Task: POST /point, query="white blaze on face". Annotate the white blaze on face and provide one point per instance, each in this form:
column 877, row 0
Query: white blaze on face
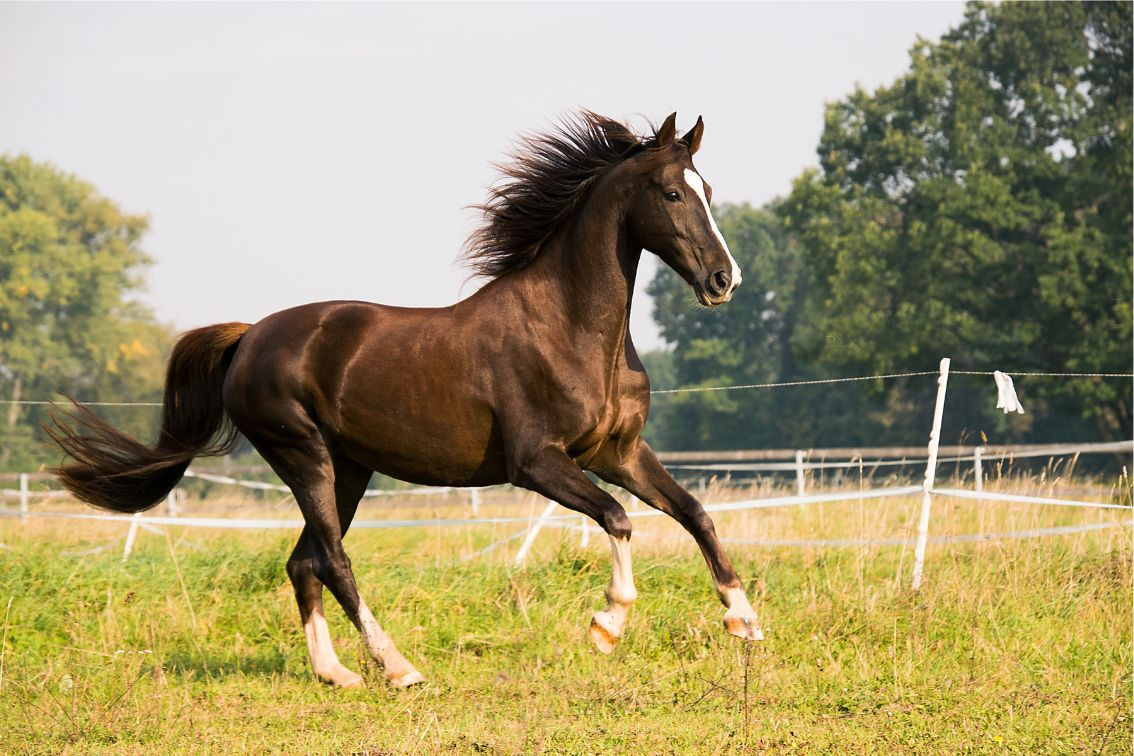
column 697, row 184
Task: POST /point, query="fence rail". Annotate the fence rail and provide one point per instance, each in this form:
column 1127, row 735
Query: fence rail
column 885, row 452
column 750, row 459
column 739, row 460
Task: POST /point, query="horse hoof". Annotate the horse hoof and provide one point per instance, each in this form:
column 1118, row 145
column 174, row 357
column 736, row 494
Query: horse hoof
column 744, row 627
column 343, row 678
column 406, row 679
column 602, row 637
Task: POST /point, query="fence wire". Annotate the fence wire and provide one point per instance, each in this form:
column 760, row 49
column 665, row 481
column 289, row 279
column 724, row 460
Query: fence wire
column 697, row 389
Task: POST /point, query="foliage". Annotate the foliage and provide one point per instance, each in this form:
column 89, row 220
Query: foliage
column 68, row 262
column 747, row 341
column 978, row 208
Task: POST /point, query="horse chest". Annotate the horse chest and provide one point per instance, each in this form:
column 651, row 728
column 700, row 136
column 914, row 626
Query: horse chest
column 620, row 413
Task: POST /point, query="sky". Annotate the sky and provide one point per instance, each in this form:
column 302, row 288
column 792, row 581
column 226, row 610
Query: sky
column 291, row 153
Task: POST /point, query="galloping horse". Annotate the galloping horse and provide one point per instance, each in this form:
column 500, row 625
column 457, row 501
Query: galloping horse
column 532, row 380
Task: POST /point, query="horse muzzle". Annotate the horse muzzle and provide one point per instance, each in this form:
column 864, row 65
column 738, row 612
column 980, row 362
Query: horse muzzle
column 716, row 289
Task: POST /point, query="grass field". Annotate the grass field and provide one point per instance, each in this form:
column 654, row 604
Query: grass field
column 194, row 645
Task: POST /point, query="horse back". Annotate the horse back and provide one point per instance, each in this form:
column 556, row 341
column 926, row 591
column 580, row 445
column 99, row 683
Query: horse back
column 393, row 388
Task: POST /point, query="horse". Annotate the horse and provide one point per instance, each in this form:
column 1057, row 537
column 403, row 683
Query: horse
column 532, row 380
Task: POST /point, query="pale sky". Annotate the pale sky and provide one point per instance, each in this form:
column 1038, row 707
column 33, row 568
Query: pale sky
column 291, row 153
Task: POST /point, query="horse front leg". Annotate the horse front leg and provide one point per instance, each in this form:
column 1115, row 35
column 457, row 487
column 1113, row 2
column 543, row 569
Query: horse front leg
column 551, row 472
column 640, row 473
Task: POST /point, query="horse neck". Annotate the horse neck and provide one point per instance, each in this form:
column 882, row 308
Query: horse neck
column 584, row 276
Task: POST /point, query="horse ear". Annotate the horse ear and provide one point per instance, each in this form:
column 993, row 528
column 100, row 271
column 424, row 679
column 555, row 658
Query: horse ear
column 693, row 137
column 667, row 131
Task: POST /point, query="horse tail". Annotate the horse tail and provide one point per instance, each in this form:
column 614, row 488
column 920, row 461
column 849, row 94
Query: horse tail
column 116, row 472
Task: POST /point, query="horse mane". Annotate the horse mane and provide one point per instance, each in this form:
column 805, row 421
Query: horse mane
column 542, row 186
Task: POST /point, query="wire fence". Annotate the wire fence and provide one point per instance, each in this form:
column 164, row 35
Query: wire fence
column 694, row 389
column 801, row 465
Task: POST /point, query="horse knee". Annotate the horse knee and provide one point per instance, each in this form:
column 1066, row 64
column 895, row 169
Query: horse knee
column 328, row 572
column 704, row 523
column 617, row 524
column 299, row 568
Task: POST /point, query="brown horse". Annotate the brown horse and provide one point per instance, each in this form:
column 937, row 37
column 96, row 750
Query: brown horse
column 532, row 380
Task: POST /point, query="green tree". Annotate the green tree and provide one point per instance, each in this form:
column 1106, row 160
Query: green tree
column 752, row 341
column 980, row 207
column 68, row 262
column 747, row 341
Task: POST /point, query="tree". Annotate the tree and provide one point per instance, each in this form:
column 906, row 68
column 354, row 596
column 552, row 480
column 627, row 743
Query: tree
column 752, row 340
column 747, row 341
column 980, row 207
column 68, row 261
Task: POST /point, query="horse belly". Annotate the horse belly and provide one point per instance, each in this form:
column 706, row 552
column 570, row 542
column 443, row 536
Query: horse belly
column 436, row 440
column 429, row 461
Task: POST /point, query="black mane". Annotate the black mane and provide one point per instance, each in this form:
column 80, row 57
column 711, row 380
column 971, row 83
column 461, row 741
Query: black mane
column 542, row 186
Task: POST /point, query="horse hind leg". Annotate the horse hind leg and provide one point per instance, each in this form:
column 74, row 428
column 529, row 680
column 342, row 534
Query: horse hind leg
column 350, row 484
column 328, row 493
column 309, row 595
column 333, row 569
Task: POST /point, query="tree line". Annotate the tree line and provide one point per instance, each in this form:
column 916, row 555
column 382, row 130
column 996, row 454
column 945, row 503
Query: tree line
column 69, row 263
column 979, row 207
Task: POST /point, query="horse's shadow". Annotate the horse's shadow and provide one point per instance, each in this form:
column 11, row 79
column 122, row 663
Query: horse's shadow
column 211, row 665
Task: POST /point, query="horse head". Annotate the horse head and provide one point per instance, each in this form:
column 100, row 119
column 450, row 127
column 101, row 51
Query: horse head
column 668, row 214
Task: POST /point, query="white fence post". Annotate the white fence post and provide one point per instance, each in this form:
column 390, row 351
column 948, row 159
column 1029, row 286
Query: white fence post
column 474, row 500
column 978, row 469
column 585, row 536
column 800, row 475
column 533, row 531
column 131, row 534
column 23, row 497
column 930, row 473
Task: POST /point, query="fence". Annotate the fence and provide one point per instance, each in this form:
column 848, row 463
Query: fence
column 878, row 457
column 800, row 464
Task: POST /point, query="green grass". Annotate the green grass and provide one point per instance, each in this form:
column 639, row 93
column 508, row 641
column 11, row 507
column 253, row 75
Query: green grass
column 194, row 644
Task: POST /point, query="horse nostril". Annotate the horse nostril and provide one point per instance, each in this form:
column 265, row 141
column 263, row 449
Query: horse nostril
column 718, row 282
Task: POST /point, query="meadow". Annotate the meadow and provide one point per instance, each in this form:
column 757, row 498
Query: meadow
column 193, row 644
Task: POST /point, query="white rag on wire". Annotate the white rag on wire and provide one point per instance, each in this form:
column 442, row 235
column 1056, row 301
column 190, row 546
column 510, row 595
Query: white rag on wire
column 1006, row 398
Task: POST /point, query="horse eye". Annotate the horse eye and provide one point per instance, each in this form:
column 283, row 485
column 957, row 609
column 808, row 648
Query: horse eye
column 672, row 196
